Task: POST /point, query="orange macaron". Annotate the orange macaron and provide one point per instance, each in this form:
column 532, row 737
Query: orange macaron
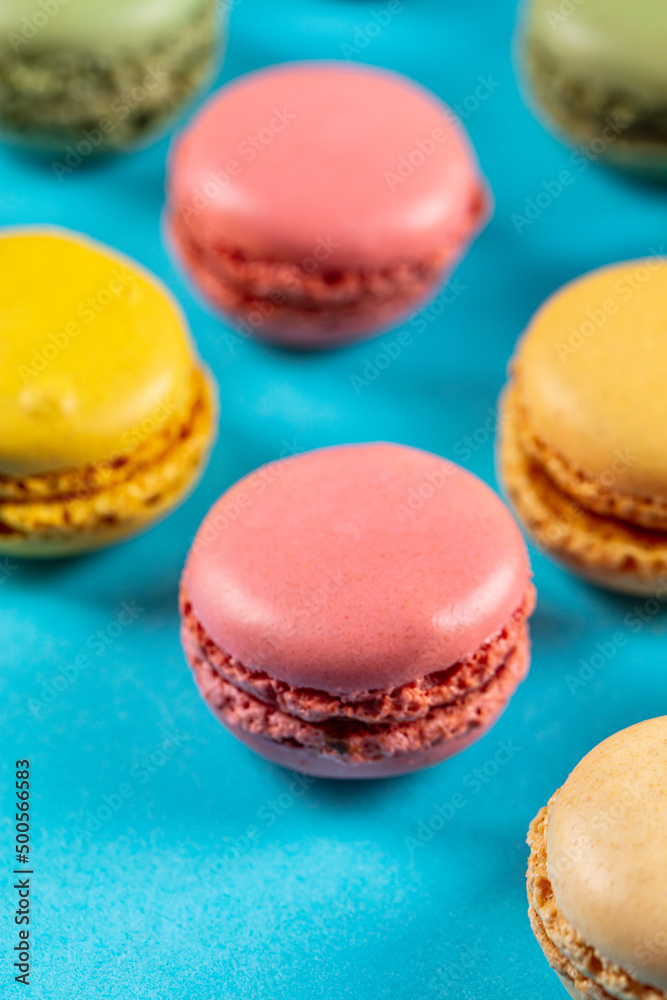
column 583, row 431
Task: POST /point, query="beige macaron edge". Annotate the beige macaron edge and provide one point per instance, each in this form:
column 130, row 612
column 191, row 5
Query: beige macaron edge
column 584, row 973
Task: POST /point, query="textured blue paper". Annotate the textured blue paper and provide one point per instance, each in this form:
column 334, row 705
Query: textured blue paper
column 219, row 877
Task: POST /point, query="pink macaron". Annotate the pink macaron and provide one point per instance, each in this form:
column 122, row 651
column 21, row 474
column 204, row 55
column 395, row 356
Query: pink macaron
column 358, row 611
column 316, row 203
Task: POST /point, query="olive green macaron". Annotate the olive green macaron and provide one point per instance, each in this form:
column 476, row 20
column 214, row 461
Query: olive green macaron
column 597, row 72
column 80, row 77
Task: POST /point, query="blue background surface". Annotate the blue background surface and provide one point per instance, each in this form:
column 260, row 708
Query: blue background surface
column 219, row 877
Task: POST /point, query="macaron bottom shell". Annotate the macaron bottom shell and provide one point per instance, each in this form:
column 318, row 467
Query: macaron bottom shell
column 305, row 762
column 337, row 749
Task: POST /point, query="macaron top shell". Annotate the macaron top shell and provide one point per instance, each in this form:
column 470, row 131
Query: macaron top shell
column 356, row 568
column 591, row 374
column 607, row 850
column 26, row 25
column 351, row 166
column 611, row 42
column 94, row 354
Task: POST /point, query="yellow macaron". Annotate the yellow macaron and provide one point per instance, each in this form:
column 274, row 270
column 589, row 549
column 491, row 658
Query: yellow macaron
column 583, row 427
column 596, row 873
column 106, row 414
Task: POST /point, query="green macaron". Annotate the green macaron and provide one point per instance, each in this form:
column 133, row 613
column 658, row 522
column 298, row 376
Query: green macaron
column 597, row 71
column 84, row 76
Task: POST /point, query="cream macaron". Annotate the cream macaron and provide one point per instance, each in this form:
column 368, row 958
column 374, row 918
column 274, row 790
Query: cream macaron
column 583, row 426
column 597, row 886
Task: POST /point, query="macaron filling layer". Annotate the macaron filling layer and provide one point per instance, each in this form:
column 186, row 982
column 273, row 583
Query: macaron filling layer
column 593, row 494
column 107, row 496
column 365, row 725
column 286, row 295
column 579, row 519
column 577, row 963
